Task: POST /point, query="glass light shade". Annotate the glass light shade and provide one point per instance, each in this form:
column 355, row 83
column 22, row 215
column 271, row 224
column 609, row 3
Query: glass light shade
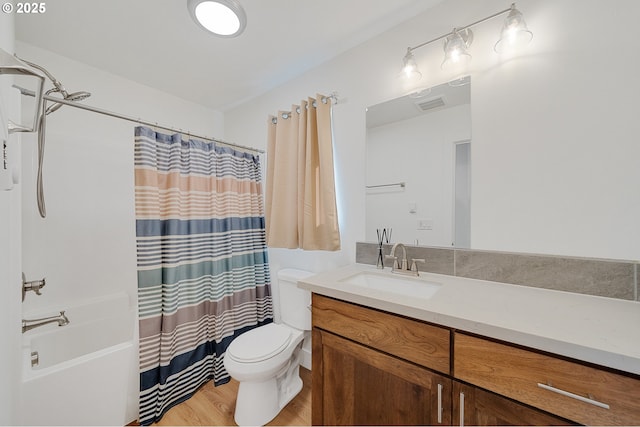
column 455, row 49
column 514, row 34
column 409, row 67
column 224, row 18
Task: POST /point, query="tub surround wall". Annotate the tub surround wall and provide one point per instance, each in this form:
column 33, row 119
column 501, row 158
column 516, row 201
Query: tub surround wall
column 10, row 252
column 601, row 277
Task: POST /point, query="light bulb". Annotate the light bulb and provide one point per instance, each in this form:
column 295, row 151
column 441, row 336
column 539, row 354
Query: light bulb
column 217, row 18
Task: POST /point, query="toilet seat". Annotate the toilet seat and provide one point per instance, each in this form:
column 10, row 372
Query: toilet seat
column 260, row 343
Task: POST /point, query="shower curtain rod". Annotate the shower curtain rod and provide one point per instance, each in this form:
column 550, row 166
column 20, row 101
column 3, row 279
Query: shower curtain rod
column 24, row 91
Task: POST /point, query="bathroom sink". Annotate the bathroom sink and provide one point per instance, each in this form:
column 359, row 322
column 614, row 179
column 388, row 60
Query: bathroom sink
column 413, row 287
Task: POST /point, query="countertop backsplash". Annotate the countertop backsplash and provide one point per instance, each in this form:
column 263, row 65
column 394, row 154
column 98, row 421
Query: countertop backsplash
column 601, row 277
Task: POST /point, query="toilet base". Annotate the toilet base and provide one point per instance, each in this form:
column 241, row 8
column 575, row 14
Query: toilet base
column 259, row 402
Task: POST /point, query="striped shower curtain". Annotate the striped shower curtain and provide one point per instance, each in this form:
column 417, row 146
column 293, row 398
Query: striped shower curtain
column 203, row 273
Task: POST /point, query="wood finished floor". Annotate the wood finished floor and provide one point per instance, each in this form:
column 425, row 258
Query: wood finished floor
column 214, row 406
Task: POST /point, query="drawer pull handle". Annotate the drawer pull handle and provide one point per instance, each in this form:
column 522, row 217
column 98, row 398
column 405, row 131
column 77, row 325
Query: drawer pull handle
column 461, row 409
column 574, row 396
column 439, row 403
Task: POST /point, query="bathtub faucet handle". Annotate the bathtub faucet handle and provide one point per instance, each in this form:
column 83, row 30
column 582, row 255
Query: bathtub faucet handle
column 32, row 285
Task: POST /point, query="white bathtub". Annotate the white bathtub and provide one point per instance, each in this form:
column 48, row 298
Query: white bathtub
column 84, row 370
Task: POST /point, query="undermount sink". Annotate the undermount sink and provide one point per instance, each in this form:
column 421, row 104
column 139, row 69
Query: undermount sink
column 413, row 287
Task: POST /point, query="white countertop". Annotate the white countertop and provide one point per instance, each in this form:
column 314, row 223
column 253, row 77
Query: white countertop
column 604, row 331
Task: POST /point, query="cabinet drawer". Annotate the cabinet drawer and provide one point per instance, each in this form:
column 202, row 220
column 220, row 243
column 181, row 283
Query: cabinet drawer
column 569, row 389
column 412, row 340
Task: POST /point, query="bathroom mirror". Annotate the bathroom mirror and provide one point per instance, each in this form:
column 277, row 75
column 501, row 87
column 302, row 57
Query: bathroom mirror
column 418, row 166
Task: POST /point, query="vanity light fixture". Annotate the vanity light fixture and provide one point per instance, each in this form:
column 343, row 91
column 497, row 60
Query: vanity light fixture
column 514, row 34
column 224, row 18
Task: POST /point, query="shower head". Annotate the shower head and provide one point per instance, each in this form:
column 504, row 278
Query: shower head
column 78, row 96
column 75, row 96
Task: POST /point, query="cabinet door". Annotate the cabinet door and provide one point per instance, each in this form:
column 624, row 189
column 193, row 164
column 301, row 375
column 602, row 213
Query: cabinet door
column 356, row 385
column 477, row 407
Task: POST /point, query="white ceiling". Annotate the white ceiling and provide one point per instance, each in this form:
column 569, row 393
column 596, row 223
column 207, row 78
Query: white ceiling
column 155, row 42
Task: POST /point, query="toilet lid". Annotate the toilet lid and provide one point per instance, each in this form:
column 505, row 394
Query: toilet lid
column 260, row 343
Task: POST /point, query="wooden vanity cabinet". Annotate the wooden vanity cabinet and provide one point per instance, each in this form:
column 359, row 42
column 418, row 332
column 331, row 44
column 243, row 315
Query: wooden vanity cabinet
column 371, row 367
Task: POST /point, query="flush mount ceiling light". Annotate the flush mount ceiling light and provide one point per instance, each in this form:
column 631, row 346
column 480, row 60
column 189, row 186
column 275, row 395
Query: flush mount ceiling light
column 514, row 34
column 224, row 18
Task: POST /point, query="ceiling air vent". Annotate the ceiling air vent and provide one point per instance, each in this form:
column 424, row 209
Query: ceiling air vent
column 430, row 104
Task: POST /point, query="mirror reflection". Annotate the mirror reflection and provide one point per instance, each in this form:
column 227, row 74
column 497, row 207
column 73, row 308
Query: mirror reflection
column 418, row 166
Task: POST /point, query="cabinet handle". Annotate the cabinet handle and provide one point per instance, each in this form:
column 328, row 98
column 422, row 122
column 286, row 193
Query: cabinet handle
column 439, row 403
column 461, row 409
column 573, row 396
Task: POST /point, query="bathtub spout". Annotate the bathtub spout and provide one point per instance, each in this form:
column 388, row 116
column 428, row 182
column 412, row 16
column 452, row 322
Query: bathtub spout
column 34, row 323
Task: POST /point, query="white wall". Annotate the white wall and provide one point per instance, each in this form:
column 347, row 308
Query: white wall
column 85, row 247
column 9, row 246
column 554, row 159
column 565, row 118
column 420, row 153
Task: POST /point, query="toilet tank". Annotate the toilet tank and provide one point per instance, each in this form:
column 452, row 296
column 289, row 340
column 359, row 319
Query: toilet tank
column 294, row 302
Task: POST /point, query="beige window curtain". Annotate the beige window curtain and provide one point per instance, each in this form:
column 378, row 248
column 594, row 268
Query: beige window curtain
column 300, row 197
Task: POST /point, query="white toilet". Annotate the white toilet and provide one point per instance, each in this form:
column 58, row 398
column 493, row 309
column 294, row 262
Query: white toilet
column 265, row 360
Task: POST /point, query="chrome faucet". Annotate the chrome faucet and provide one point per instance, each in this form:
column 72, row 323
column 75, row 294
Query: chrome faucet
column 402, row 267
column 34, row 323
